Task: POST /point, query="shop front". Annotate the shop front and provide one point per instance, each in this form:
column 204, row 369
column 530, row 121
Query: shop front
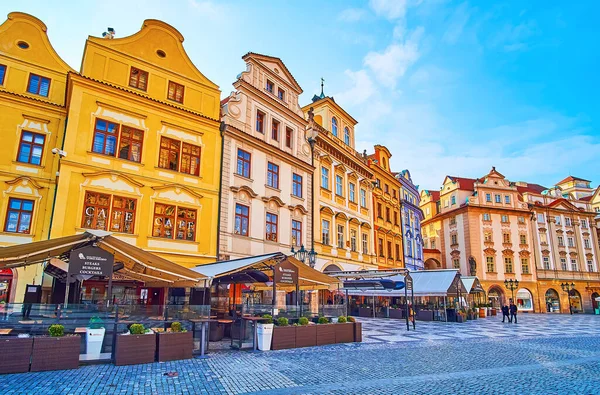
column 6, row 278
column 524, row 300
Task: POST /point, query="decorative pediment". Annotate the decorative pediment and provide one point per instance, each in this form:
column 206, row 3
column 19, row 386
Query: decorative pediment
column 507, row 252
column 245, row 189
column 341, row 215
column 589, row 255
column 326, row 159
column 326, row 210
column 365, row 225
column 341, row 168
column 112, row 181
column 562, row 253
column 545, row 252
column 455, row 253
column 570, row 232
column 177, row 193
column 24, row 185
column 273, row 201
column 298, row 208
column 559, row 231
column 354, row 220
column 524, row 254
column 489, row 251
column 572, row 254
column 542, row 230
column 352, row 175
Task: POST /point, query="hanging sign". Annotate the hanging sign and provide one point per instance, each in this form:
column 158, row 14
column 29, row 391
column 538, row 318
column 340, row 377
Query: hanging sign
column 409, row 283
column 285, row 273
column 90, row 261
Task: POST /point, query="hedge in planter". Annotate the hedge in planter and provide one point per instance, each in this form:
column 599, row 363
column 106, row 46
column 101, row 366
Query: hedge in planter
column 306, row 334
column 16, row 354
column 344, row 331
column 325, row 332
column 139, row 346
column 175, row 344
column 365, row 312
column 284, row 335
column 55, row 352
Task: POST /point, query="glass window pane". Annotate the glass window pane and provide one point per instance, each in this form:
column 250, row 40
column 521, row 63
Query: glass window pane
column 15, row 204
column 27, row 205
column 45, row 87
column 27, row 137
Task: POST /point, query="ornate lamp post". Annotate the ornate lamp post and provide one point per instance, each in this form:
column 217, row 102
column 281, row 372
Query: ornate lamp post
column 512, row 285
column 568, row 288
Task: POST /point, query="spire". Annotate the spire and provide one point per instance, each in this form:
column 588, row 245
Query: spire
column 322, row 95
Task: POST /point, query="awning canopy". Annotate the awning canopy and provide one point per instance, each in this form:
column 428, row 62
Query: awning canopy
column 137, row 264
column 472, row 284
column 241, row 270
column 425, row 283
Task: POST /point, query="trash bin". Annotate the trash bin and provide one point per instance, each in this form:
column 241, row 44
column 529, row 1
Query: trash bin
column 451, row 314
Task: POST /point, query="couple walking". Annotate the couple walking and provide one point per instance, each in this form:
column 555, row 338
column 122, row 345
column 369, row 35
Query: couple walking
column 512, row 310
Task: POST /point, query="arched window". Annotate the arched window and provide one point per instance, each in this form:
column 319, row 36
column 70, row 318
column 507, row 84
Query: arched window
column 347, row 136
column 334, row 126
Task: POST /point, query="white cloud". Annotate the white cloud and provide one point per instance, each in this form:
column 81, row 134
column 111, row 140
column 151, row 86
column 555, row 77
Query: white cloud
column 458, row 21
column 393, row 62
column 390, row 9
column 515, row 37
column 361, row 90
column 351, row 15
column 207, row 8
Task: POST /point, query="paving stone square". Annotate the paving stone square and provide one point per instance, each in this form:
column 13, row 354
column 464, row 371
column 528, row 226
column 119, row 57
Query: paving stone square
column 542, row 354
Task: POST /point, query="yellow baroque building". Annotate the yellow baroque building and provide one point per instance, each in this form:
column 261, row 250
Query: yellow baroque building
column 138, row 148
column 32, row 120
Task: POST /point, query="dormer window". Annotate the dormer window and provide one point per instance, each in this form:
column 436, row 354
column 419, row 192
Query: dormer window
column 281, row 94
column 269, row 86
column 347, row 139
column 138, row 79
column 38, row 85
column 175, row 92
column 2, row 73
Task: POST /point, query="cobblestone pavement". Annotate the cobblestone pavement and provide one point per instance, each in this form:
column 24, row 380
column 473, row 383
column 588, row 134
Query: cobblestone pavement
column 543, row 354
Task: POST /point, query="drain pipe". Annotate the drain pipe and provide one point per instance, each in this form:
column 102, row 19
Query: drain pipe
column 222, row 127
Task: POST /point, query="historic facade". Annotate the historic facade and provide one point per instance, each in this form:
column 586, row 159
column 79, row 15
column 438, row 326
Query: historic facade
column 343, row 190
column 386, row 211
column 483, row 229
column 33, row 114
column 411, row 217
column 267, row 172
column 566, row 245
column 139, row 156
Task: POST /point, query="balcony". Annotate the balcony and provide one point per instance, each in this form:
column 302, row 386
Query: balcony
column 567, row 275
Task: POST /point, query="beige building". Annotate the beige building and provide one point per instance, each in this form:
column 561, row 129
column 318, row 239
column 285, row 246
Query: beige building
column 266, row 185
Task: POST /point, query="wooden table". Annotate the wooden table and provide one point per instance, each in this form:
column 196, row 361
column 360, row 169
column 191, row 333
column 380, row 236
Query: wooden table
column 80, row 330
column 5, row 331
column 255, row 321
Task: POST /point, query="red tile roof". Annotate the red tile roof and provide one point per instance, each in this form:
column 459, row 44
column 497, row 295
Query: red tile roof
column 571, row 178
column 531, row 188
column 464, row 183
column 435, row 195
column 586, row 198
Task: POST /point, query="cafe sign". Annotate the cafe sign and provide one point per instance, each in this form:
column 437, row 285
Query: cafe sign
column 90, row 261
column 285, row 273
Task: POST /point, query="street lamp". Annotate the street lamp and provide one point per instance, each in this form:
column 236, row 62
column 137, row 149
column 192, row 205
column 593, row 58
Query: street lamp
column 302, row 255
column 568, row 288
column 512, row 285
column 311, row 137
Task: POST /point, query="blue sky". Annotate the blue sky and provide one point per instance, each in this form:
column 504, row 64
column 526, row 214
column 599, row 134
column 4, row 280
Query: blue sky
column 449, row 87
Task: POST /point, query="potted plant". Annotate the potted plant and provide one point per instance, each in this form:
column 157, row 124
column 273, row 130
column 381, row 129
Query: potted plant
column 136, row 346
column 344, row 330
column 325, row 332
column 306, row 333
column 265, row 333
column 284, row 335
column 94, row 336
column 174, row 344
column 56, row 351
column 16, row 354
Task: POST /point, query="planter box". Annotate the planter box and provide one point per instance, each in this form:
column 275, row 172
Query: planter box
column 460, row 318
column 365, row 312
column 357, row 332
column 493, row 311
column 306, row 335
column 397, row 313
column 16, row 354
column 325, row 334
column 344, row 333
column 172, row 346
column 55, row 353
column 284, row 337
column 482, row 312
column 425, row 315
column 135, row 349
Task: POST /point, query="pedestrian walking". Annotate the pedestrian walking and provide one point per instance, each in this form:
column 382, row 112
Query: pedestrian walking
column 505, row 313
column 513, row 312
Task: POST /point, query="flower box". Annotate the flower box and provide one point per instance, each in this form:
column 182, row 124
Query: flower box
column 172, row 346
column 397, row 313
column 135, row 349
column 306, row 335
column 55, row 353
column 284, row 337
column 16, row 354
column 365, row 312
column 344, row 333
column 325, row 334
column 357, row 332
